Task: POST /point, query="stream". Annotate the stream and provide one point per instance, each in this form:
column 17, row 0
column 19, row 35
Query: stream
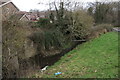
column 38, row 62
column 50, row 60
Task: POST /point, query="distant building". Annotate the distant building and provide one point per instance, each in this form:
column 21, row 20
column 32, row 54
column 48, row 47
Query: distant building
column 42, row 14
column 35, row 16
column 20, row 16
column 32, row 16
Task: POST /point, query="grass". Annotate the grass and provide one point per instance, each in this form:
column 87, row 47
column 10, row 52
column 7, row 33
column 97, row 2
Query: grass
column 97, row 58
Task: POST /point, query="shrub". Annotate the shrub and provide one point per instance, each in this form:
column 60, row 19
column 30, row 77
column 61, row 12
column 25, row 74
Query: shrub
column 47, row 40
column 82, row 23
column 108, row 27
column 43, row 22
column 13, row 37
column 100, row 29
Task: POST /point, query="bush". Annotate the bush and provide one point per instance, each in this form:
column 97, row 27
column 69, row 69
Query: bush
column 82, row 23
column 108, row 27
column 13, row 37
column 43, row 22
column 48, row 40
column 99, row 29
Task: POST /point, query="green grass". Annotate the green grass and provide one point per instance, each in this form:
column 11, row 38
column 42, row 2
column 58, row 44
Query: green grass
column 97, row 58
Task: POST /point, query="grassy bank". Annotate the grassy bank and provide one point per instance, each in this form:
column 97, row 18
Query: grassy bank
column 97, row 58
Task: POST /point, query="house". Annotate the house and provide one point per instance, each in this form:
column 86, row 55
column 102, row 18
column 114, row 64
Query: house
column 23, row 17
column 9, row 10
column 20, row 16
column 42, row 14
column 32, row 16
column 35, row 16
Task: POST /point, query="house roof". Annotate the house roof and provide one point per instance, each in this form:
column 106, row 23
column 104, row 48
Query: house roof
column 24, row 16
column 19, row 16
column 3, row 3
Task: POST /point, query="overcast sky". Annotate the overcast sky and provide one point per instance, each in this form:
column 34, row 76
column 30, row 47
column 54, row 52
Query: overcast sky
column 26, row 5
